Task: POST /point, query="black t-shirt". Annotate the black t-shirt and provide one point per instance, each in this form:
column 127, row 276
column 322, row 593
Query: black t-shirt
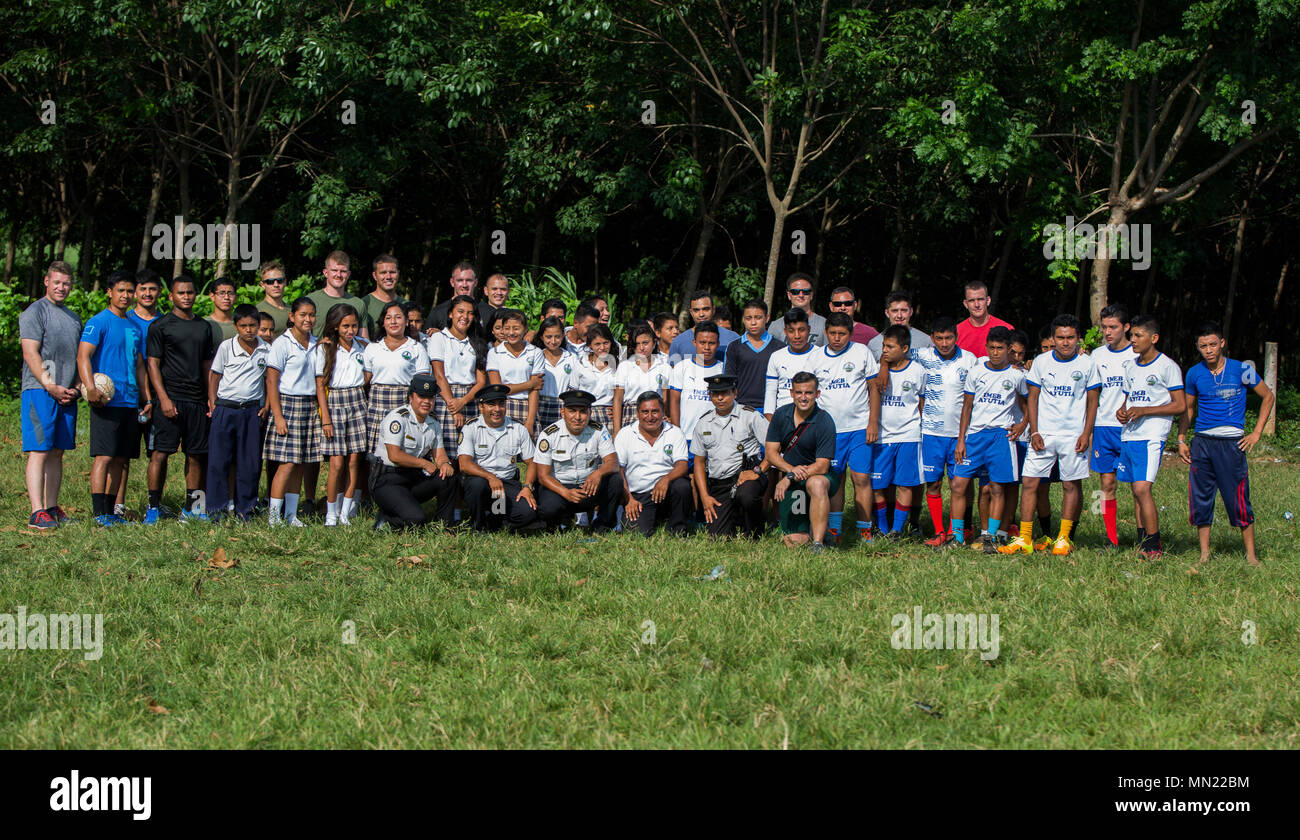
column 817, row 441
column 182, row 346
column 750, row 368
column 438, row 317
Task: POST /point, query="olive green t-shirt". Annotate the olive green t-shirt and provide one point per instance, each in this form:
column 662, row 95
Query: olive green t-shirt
column 370, row 317
column 323, row 304
column 279, row 315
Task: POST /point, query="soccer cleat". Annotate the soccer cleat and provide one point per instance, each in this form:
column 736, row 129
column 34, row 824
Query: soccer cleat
column 941, row 540
column 108, row 520
column 832, row 536
column 817, row 548
column 42, row 521
column 864, row 535
column 191, row 516
column 1062, row 547
column 1150, row 553
column 1017, row 546
column 989, row 543
column 119, row 510
column 152, row 515
column 1043, row 543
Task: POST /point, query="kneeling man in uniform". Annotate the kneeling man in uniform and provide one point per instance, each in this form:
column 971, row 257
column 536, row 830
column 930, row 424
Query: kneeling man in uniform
column 730, row 471
column 411, row 465
column 577, row 469
column 488, row 449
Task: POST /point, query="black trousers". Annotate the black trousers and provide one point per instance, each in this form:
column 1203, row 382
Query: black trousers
column 744, row 510
column 675, row 509
column 489, row 514
column 555, row 509
column 399, row 493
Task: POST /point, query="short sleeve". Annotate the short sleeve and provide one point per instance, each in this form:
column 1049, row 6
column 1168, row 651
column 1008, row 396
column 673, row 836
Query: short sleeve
column 697, row 445
column 773, row 432
column 1094, row 376
column 542, row 454
column 605, row 447
column 393, row 431
column 1023, row 389
column 91, row 333
column 422, row 364
column 538, row 367
column 826, row 438
column 154, row 343
column 435, row 349
column 621, row 448
column 759, row 425
column 527, row 450
column 318, row 360
column 493, row 362
column 1173, row 377
column 1191, row 381
column 31, row 326
column 679, row 452
column 677, row 380
column 220, row 360
column 279, row 355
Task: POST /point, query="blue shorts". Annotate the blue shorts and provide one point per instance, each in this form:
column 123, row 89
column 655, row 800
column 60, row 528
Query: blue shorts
column 989, row 449
column 47, row 424
column 1139, row 460
column 851, row 452
column 1218, row 466
column 1105, row 449
column 938, row 453
column 896, row 464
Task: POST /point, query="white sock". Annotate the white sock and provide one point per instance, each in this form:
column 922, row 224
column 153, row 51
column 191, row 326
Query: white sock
column 290, row 506
column 331, row 512
column 277, row 505
column 348, row 507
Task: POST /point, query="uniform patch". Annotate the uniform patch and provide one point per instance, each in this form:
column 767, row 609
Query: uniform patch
column 461, row 439
column 551, row 429
column 395, row 427
column 543, row 445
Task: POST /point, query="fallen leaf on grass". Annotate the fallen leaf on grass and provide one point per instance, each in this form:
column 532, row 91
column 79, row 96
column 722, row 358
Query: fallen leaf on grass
column 411, row 560
column 219, row 560
column 158, row 708
column 940, row 667
column 580, row 582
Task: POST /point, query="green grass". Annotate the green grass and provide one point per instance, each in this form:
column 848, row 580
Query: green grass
column 501, row 642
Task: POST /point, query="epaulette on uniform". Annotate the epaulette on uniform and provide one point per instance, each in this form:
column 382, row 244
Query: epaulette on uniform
column 551, row 429
column 595, row 425
column 404, row 411
column 749, row 408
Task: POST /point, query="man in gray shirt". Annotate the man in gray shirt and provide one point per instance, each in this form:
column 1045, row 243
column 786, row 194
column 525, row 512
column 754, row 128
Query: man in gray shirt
column 899, row 310
column 50, row 333
column 799, row 289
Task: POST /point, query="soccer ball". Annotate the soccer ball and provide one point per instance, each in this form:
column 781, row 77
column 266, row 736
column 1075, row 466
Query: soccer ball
column 103, row 383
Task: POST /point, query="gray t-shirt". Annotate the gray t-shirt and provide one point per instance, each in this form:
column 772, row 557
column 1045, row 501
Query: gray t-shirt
column 58, row 329
column 919, row 340
column 816, row 329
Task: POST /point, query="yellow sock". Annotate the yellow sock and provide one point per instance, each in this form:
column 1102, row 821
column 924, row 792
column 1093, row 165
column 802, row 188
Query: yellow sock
column 1065, row 528
column 1027, row 531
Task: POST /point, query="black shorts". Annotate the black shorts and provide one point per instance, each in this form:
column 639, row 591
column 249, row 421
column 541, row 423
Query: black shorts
column 189, row 427
column 114, row 432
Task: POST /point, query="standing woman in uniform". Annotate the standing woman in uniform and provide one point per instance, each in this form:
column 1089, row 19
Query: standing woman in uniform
column 599, row 364
column 458, row 355
column 390, row 362
column 560, row 369
column 339, row 364
column 518, row 365
column 293, row 435
column 644, row 370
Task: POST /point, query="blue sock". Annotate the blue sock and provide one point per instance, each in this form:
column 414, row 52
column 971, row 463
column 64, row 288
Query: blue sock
column 959, row 530
column 994, row 524
column 864, row 526
column 836, row 520
column 900, row 518
column 882, row 517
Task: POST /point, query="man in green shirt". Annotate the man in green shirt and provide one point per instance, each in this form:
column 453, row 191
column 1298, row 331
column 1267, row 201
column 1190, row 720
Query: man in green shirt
column 223, row 300
column 337, row 271
column 273, row 279
column 384, row 271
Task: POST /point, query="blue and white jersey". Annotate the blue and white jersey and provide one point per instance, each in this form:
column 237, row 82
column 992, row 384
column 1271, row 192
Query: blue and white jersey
column 781, row 368
column 945, row 385
column 1110, row 369
column 1063, row 392
column 1147, row 386
column 844, row 379
column 688, row 380
column 993, row 397
column 900, row 416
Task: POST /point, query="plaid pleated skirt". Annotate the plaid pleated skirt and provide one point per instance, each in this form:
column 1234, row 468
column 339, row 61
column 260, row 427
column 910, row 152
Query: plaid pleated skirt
column 604, row 415
column 301, row 443
column 348, row 418
column 517, row 410
column 382, row 399
column 629, row 412
column 548, row 411
column 450, row 432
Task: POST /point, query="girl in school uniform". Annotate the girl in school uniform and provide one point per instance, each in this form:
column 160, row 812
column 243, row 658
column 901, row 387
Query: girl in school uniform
column 519, row 365
column 458, row 355
column 644, row 370
column 389, row 363
column 596, row 373
column 559, row 369
column 666, row 330
column 293, row 435
column 339, row 364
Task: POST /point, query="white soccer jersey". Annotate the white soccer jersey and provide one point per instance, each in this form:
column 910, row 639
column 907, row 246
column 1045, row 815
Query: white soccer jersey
column 1146, row 386
column 349, row 365
column 645, row 463
column 457, row 357
column 844, row 379
column 781, row 368
column 688, row 380
column 993, row 393
column 1063, row 392
column 395, row 367
column 1110, row 369
column 561, row 376
column 634, row 381
column 297, row 376
column 945, row 387
column 514, row 369
column 900, row 416
column 598, row 383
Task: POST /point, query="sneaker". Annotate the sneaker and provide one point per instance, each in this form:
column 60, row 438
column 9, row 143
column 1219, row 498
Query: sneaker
column 1043, row 543
column 864, row 535
column 295, row 522
column 1062, row 547
column 119, row 510
column 191, row 516
column 166, row 512
column 331, row 519
column 381, row 522
column 1017, row 546
column 940, row 540
column 817, row 548
column 57, row 514
column 152, row 515
column 832, row 537
column 108, row 520
column 1151, row 553
column 989, row 543
column 42, row 521
column 975, row 542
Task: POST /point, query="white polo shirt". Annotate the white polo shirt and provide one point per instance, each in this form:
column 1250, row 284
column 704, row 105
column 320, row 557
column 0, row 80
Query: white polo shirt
column 457, row 357
column 495, row 450
column 561, row 376
column 634, row 381
column 643, row 462
column 395, row 367
column 514, row 369
column 598, row 383
column 243, row 374
column 297, row 373
column 349, row 365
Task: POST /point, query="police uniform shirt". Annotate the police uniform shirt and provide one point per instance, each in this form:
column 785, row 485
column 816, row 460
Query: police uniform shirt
column 297, row 374
column 401, row 428
column 457, row 357
column 643, row 462
column 495, row 450
column 243, row 374
column 573, row 457
column 395, row 367
column 725, row 441
column 349, row 365
column 516, row 370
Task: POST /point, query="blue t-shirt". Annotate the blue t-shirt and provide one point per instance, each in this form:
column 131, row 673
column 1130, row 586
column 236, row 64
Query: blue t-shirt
column 142, row 325
column 1220, row 400
column 117, row 343
column 683, row 346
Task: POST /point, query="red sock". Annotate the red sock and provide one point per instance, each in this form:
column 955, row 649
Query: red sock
column 1109, row 513
column 936, row 511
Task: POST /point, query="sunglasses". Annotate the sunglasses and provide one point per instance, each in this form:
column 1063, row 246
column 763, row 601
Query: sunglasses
column 801, row 292
column 273, row 281
column 842, row 303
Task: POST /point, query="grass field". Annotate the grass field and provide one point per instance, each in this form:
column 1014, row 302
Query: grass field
column 501, row 642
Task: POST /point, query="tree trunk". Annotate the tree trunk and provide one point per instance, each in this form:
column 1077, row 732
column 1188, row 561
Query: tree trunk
column 1099, row 294
column 1281, row 280
column 178, row 256
column 84, row 261
column 1003, row 261
column 11, row 248
column 158, row 172
column 1236, row 267
column 774, row 254
column 1078, row 293
column 707, row 227
column 900, row 258
column 232, row 212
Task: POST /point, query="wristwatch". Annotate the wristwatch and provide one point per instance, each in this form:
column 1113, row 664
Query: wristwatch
column 790, row 475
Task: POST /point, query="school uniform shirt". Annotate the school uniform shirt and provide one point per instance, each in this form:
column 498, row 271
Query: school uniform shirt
column 598, row 383
column 644, row 463
column 1063, row 392
column 919, row 341
column 496, row 450
column 514, row 369
column 297, row 373
column 243, row 373
column 395, row 367
column 402, row 428
column 349, row 365
column 725, row 440
column 749, row 365
column 945, row 384
column 634, row 381
column 781, row 368
column 688, row 380
column 1221, row 400
column 573, row 458
column 457, row 356
column 993, row 397
column 561, row 376
column 1110, row 370
column 900, row 416
column 1149, row 386
column 844, row 379
column 118, row 343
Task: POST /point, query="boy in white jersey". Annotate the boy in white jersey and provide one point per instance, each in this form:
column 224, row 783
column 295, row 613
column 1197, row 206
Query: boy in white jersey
column 896, row 457
column 1110, row 360
column 688, row 394
column 1063, row 389
column 1153, row 397
column 797, row 356
column 946, row 368
column 846, row 370
column 987, row 432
